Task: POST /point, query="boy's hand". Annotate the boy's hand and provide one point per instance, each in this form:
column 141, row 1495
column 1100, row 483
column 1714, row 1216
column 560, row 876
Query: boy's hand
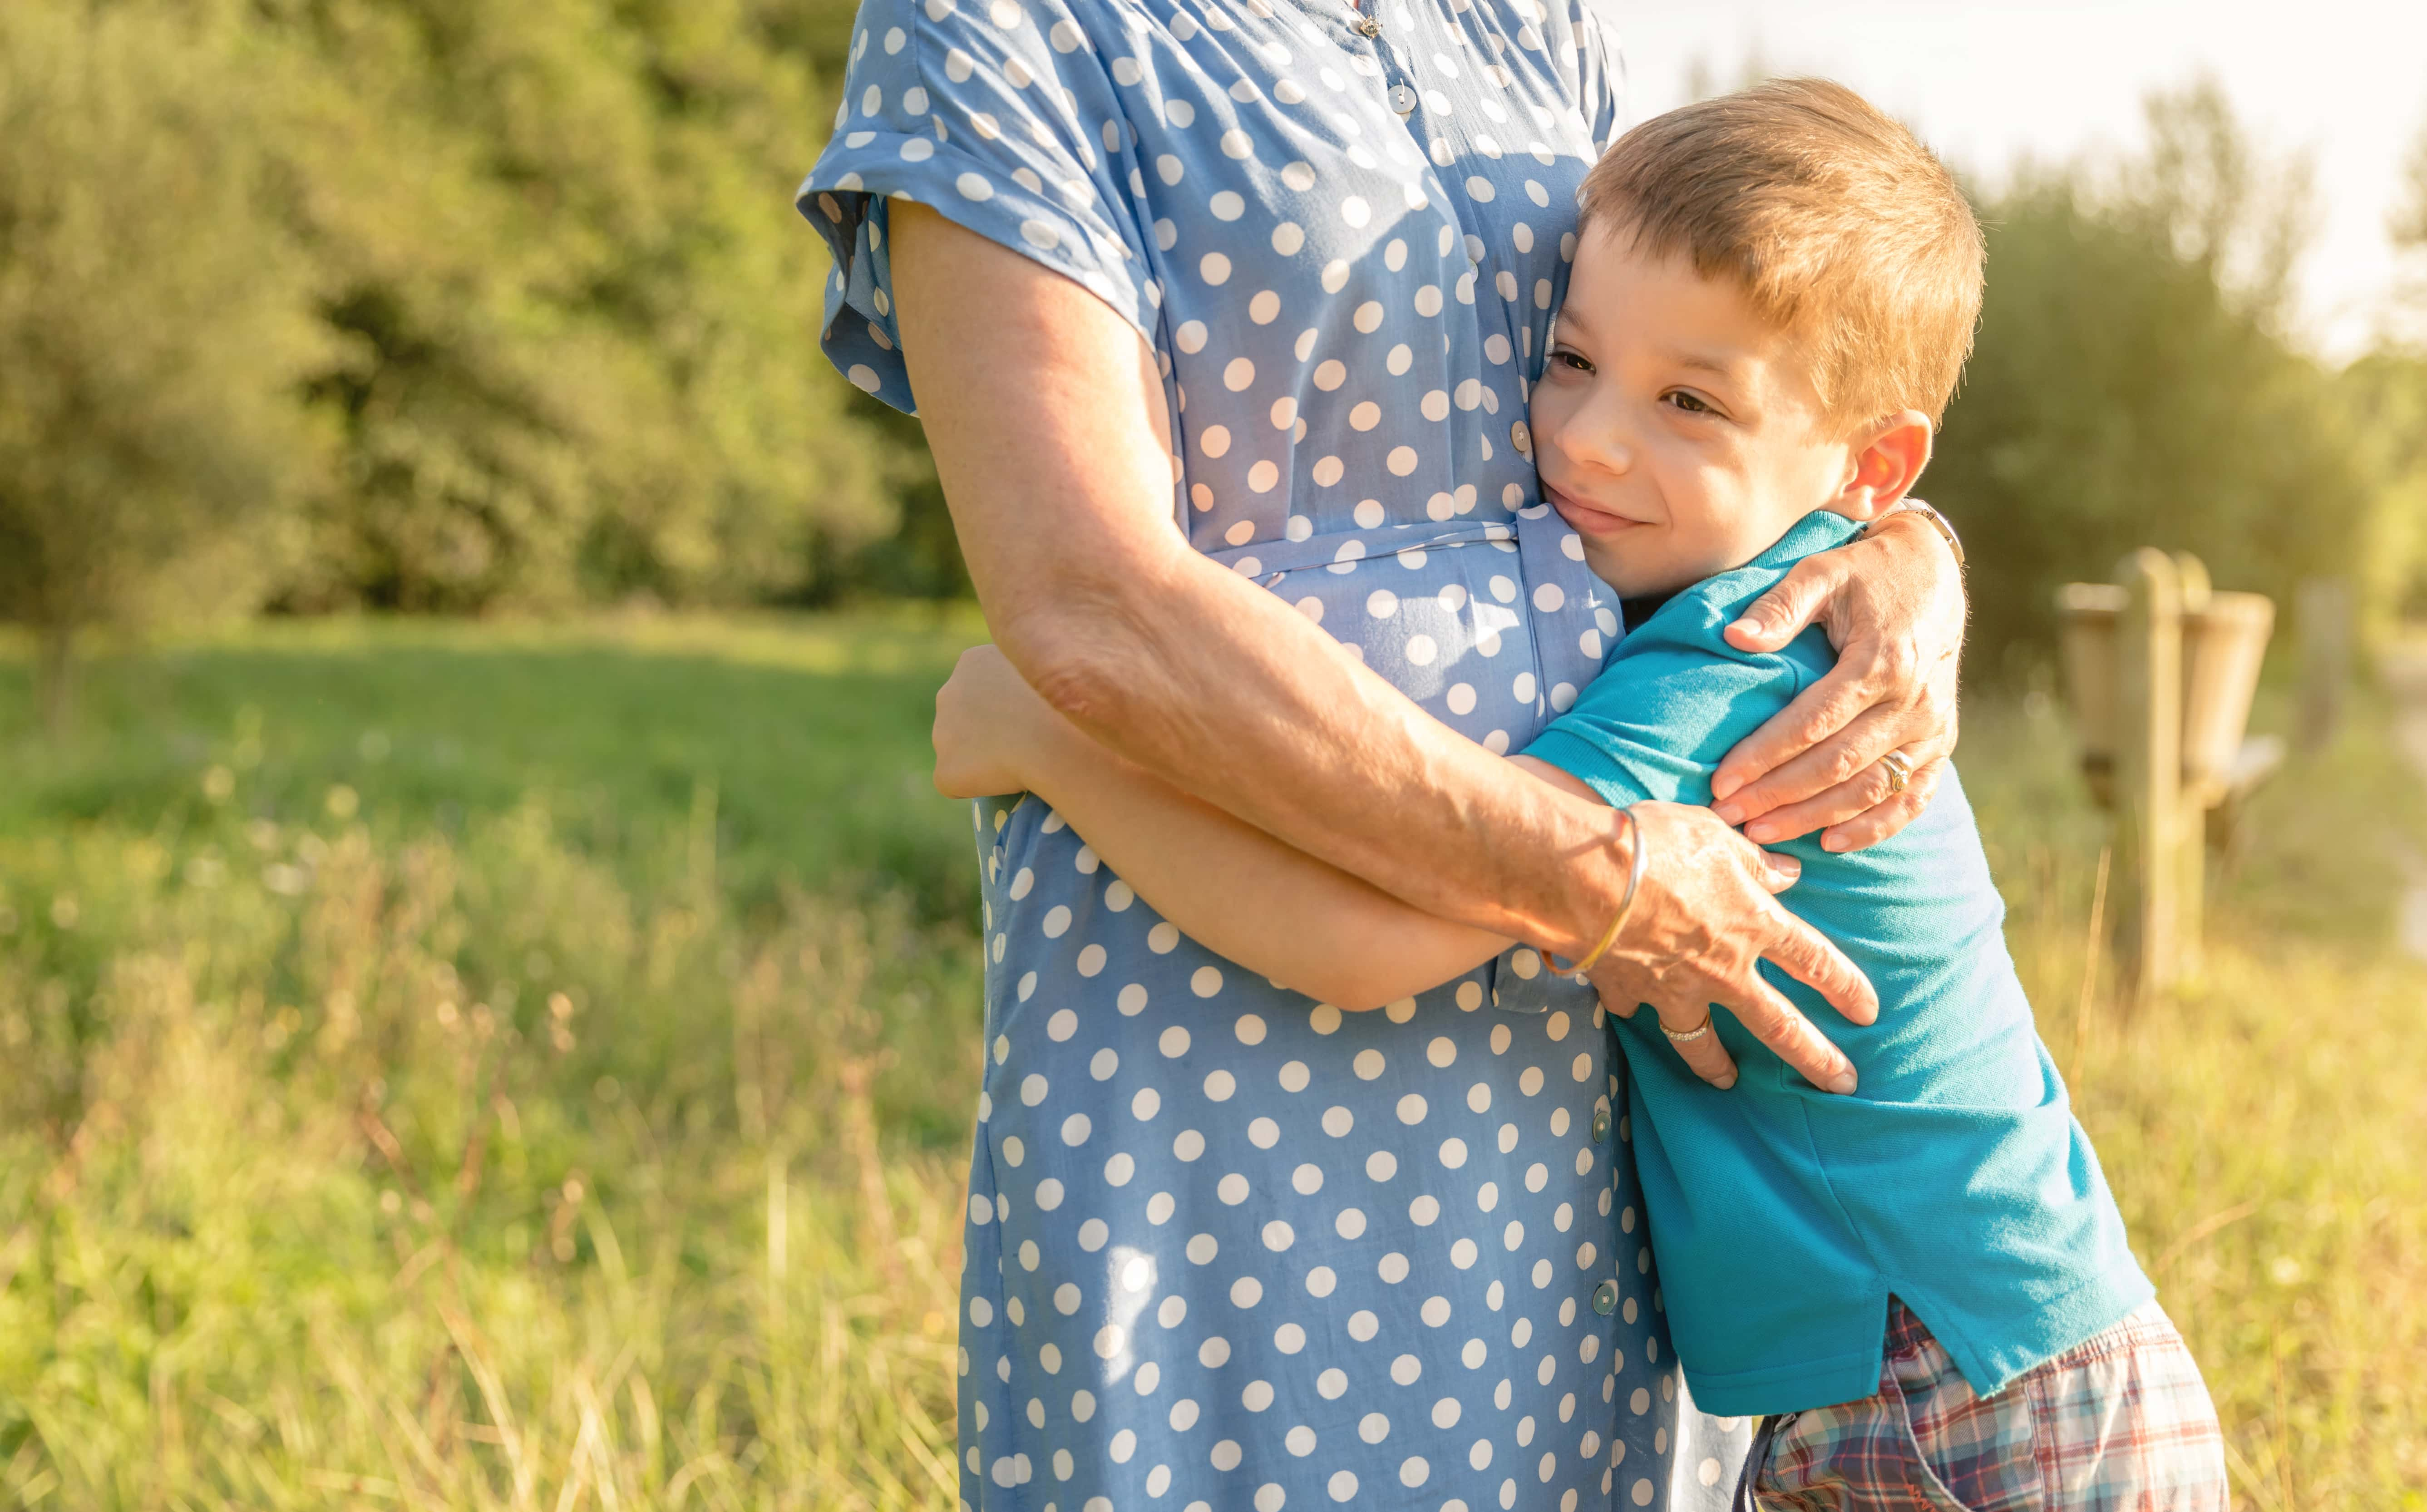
column 985, row 717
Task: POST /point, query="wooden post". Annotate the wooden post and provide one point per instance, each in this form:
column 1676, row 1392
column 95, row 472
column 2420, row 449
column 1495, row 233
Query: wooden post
column 2190, row 836
column 2325, row 629
column 2149, row 769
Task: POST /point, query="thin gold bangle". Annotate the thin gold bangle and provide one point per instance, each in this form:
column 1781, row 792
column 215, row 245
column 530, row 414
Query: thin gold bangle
column 1936, row 521
column 1625, row 903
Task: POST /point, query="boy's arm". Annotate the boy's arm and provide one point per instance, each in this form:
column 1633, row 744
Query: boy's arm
column 1229, row 885
column 1652, row 730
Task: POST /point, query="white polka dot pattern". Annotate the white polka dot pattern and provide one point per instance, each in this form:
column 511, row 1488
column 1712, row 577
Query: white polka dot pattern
column 1226, row 1248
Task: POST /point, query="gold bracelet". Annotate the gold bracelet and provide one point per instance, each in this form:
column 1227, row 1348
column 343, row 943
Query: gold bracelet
column 1625, row 903
column 1936, row 521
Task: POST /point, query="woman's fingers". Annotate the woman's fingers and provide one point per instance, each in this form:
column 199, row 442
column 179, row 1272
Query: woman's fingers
column 1778, row 1024
column 1701, row 930
column 1685, row 1006
column 1871, row 785
column 1893, row 605
column 1782, row 614
column 1877, row 824
column 1700, row 1048
column 1780, row 805
column 1807, row 956
column 1776, row 764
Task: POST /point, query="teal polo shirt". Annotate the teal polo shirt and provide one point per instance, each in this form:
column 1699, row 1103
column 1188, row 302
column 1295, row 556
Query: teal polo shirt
column 1955, row 1177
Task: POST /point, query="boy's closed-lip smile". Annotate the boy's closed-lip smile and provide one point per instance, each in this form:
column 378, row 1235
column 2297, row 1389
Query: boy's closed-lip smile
column 1589, row 520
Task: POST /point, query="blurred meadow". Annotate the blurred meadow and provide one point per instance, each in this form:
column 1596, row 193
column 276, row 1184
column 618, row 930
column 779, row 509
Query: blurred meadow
column 487, row 995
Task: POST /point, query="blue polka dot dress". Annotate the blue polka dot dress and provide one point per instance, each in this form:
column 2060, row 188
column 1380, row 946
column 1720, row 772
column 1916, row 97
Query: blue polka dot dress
column 1229, row 1247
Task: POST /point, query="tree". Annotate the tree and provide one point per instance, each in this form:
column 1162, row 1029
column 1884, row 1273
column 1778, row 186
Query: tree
column 155, row 323
column 2387, row 388
column 2133, row 384
column 2204, row 188
column 485, row 305
column 578, row 314
column 2407, row 226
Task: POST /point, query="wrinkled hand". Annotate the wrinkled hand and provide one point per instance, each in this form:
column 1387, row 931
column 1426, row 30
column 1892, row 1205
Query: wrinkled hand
column 1893, row 605
column 984, row 715
column 1702, row 924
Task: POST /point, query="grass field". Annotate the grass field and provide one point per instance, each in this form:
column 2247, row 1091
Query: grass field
column 809, row 740
column 463, row 1068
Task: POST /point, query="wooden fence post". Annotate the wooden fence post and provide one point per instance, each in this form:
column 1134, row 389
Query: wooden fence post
column 2149, row 768
column 2160, row 671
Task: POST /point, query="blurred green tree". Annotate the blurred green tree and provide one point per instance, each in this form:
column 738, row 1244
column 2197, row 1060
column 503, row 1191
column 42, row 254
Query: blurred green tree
column 511, row 299
column 579, row 314
column 2389, row 387
column 2134, row 382
column 2408, row 225
column 155, row 326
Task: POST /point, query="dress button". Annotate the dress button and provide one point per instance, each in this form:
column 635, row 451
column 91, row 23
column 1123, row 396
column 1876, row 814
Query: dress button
column 1403, row 99
column 1605, row 1298
column 1600, row 1125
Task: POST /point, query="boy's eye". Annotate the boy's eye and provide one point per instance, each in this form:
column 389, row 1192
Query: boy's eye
column 1690, row 403
column 1570, row 359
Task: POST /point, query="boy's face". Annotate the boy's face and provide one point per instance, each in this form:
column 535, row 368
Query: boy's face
column 1676, row 431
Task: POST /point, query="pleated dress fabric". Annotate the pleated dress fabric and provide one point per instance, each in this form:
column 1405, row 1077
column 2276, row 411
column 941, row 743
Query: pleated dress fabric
column 1228, row 1247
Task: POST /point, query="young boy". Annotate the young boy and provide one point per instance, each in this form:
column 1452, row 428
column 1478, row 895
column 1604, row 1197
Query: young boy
column 1923, row 1288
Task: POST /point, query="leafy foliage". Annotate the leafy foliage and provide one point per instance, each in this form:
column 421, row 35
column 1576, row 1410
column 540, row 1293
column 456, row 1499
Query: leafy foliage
column 2133, row 384
column 525, row 278
column 154, row 324
column 2408, row 226
column 580, row 314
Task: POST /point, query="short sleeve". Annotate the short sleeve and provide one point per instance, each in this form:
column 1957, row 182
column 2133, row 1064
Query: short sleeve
column 1000, row 115
column 1674, row 699
column 1601, row 78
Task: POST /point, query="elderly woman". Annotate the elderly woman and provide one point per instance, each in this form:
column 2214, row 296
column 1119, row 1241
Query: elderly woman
column 1220, row 315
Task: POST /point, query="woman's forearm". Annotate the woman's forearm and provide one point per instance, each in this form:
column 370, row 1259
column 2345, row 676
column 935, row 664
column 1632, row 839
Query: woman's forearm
column 1238, row 891
column 1266, row 720
column 1045, row 417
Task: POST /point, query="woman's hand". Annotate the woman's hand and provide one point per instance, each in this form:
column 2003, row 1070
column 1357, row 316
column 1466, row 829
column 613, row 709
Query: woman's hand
column 1702, row 924
column 986, row 719
column 1893, row 605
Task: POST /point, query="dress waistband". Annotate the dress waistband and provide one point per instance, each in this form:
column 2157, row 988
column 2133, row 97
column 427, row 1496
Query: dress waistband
column 1339, row 551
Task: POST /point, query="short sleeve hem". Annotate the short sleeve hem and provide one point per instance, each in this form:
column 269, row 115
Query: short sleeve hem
column 844, row 198
column 1588, row 764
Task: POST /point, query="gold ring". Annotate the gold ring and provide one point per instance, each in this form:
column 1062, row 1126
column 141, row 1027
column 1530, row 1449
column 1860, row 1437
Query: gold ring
column 1688, row 1036
column 1899, row 771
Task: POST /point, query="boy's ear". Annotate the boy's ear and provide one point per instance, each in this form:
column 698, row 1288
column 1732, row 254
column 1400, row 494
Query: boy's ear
column 1888, row 460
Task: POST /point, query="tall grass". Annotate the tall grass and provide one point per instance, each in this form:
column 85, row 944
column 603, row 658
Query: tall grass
column 455, row 1175
column 2261, row 1132
column 469, row 1169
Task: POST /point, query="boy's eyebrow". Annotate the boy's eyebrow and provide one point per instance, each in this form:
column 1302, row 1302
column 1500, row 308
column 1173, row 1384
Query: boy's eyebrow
column 1704, row 362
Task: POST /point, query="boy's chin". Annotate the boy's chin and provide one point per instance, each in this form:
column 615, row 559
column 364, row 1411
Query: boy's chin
column 1651, row 572
column 1635, row 582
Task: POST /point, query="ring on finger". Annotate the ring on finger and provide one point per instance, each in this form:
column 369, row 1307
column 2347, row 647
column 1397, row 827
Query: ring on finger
column 1900, row 769
column 1687, row 1036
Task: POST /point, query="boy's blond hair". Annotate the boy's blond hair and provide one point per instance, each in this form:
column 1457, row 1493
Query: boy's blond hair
column 1836, row 222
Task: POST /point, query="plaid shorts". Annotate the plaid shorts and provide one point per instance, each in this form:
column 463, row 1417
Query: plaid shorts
column 2120, row 1423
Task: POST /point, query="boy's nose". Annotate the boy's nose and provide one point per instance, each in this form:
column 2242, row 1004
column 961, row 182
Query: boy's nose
column 1594, row 441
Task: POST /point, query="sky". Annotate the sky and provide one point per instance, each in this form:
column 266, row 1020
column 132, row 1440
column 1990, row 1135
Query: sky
column 1984, row 81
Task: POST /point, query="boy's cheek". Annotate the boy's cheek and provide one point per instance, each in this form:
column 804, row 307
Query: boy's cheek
column 1547, row 408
